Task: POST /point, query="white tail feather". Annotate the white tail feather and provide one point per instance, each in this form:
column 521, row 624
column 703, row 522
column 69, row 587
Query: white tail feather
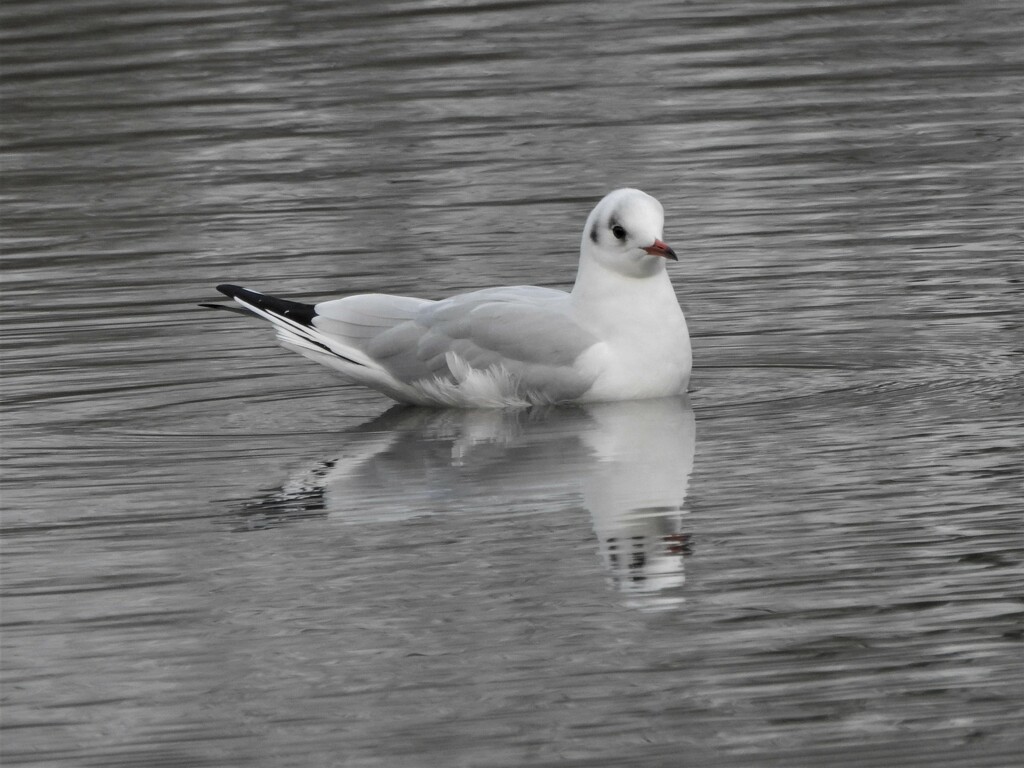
column 308, row 337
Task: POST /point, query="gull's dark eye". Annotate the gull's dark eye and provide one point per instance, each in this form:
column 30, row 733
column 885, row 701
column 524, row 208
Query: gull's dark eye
column 619, row 232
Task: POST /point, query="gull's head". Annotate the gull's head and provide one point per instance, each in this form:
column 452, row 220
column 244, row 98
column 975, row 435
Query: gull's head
column 623, row 233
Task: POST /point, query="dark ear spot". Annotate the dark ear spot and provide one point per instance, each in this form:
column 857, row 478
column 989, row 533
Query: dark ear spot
column 593, row 233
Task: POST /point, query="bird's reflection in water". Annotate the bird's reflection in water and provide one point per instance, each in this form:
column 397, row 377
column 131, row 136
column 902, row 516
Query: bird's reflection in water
column 630, row 461
column 642, row 456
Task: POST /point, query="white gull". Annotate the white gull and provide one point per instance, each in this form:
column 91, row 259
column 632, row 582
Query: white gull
column 618, row 335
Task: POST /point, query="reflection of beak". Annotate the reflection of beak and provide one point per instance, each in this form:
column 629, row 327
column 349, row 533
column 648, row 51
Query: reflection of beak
column 661, row 249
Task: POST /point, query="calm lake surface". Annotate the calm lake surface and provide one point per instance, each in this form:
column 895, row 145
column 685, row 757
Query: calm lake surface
column 216, row 554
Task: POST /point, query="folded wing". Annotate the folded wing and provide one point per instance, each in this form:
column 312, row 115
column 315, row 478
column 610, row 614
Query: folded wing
column 522, row 335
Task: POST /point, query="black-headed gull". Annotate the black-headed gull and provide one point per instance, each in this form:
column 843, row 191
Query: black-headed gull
column 618, row 335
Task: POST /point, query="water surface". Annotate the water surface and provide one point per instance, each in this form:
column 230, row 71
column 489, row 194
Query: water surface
column 214, row 553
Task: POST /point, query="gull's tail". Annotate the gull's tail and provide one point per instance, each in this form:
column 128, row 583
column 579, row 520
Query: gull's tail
column 293, row 321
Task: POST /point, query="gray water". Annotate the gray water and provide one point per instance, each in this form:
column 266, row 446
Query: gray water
column 216, row 554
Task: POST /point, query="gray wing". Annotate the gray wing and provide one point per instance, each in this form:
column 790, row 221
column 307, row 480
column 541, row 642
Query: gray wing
column 525, row 330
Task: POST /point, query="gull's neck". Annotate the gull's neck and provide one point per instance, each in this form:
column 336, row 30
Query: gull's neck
column 603, row 291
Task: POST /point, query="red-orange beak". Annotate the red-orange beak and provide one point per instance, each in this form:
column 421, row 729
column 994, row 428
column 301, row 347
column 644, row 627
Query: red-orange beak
column 661, row 249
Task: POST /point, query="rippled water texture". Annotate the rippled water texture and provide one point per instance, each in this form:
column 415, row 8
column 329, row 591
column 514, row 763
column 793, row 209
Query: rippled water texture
column 215, row 554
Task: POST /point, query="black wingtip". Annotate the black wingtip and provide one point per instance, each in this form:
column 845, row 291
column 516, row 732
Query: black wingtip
column 226, row 308
column 293, row 310
column 233, row 291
